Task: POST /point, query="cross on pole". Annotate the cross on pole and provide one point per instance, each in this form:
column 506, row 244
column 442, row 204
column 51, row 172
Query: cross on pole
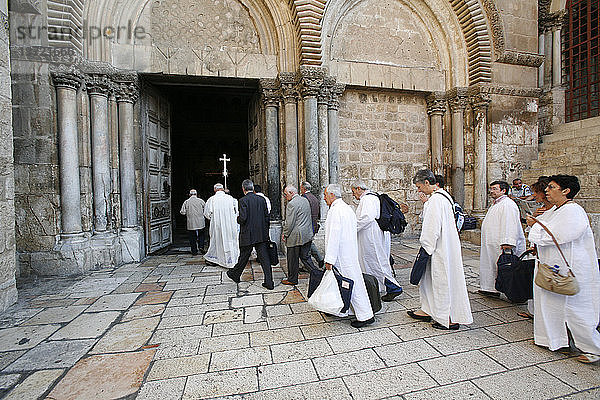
column 225, row 173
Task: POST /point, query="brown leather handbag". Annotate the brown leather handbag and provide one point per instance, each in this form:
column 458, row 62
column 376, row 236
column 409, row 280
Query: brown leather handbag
column 547, row 278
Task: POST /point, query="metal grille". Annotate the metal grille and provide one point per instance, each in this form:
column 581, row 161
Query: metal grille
column 582, row 59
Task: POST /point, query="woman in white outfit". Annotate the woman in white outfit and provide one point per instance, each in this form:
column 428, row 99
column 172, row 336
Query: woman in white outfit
column 557, row 313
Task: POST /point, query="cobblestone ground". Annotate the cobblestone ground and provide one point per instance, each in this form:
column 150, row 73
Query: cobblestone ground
column 173, row 328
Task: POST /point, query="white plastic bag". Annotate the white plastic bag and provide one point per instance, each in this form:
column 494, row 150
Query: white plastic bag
column 326, row 297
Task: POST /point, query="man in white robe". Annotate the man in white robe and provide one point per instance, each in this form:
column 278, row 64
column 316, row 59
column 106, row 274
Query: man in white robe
column 501, row 230
column 556, row 313
column 341, row 251
column 222, row 211
column 374, row 244
column 442, row 288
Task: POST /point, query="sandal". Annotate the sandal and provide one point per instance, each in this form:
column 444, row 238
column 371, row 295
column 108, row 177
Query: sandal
column 588, row 358
column 525, row 314
column 425, row 318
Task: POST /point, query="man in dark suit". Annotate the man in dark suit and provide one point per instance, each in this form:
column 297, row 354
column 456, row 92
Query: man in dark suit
column 254, row 232
column 315, row 211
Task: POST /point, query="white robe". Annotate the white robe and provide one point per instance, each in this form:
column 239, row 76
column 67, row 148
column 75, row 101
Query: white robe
column 443, row 289
column 501, row 225
column 554, row 313
column 222, row 211
column 341, row 251
column 373, row 243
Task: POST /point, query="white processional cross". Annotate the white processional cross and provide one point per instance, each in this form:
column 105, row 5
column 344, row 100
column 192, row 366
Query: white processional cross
column 225, row 159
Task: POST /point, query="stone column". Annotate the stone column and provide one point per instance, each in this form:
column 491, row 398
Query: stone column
column 126, row 97
column 436, row 107
column 322, row 105
column 458, row 103
column 270, row 92
column 70, row 200
column 288, row 81
column 480, row 103
column 556, row 56
column 548, row 60
column 312, row 79
column 334, row 132
column 98, row 89
column 541, row 67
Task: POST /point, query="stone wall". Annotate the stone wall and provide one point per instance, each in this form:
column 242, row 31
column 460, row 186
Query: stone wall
column 574, row 149
column 8, row 290
column 384, row 140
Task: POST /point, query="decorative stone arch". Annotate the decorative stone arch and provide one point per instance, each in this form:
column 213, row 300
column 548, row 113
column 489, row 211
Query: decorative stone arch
column 440, row 30
column 308, row 15
column 272, row 20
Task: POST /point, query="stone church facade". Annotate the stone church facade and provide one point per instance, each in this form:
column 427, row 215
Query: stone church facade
column 340, row 90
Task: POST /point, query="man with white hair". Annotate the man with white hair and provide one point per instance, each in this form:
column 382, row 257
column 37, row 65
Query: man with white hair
column 341, row 251
column 222, row 210
column 374, row 245
column 315, row 211
column 193, row 209
column 297, row 234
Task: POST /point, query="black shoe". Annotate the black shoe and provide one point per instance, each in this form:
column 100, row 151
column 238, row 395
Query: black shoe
column 360, row 324
column 268, row 286
column 390, row 296
column 232, row 278
column 424, row 318
column 489, row 294
column 452, row 327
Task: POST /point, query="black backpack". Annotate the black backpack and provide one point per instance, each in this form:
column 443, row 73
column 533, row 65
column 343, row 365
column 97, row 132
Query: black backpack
column 391, row 218
column 459, row 215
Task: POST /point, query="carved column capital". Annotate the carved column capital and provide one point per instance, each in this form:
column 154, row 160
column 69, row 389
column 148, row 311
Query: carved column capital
column 312, row 79
column 480, row 101
column 457, row 99
column 99, row 85
column 67, row 80
column 436, row 104
column 270, row 92
column 336, row 91
column 289, row 86
column 126, row 92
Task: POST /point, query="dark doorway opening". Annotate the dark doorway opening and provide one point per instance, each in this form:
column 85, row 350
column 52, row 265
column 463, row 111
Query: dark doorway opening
column 208, row 119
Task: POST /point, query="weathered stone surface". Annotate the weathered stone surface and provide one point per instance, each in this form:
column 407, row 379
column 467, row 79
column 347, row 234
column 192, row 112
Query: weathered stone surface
column 19, row 338
column 87, row 326
column 113, row 302
column 127, row 336
column 35, row 385
column 54, row 354
column 108, row 376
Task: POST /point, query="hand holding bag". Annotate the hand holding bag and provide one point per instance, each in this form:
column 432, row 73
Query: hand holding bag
column 327, row 298
column 548, row 279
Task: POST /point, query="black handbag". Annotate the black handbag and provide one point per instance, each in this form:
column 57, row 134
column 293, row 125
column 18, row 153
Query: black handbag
column 373, row 292
column 515, row 276
column 469, row 224
column 272, row 250
column 419, row 266
column 345, row 285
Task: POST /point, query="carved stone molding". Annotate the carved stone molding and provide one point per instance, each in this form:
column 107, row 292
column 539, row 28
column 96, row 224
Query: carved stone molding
column 289, row 86
column 68, row 77
column 555, row 20
column 99, row 85
column 336, row 91
column 127, row 92
column 497, row 25
column 489, row 89
column 312, row 79
column 270, row 92
column 436, row 104
column 521, row 58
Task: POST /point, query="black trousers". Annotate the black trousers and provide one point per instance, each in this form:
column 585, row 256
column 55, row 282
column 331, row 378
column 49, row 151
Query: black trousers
column 263, row 259
column 294, row 254
column 196, row 240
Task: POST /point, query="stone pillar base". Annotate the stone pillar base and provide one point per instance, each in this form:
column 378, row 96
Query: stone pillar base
column 106, row 250
column 8, row 294
column 275, row 230
column 72, row 255
column 132, row 245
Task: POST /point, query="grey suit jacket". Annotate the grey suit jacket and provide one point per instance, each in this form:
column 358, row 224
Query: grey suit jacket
column 297, row 228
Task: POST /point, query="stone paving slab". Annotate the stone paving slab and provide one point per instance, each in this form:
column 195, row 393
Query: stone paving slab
column 172, row 327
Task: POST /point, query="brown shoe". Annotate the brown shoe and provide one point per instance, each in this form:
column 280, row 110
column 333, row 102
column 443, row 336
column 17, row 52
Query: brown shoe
column 286, row 282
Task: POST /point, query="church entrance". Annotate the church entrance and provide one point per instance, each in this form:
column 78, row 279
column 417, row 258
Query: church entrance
column 208, row 117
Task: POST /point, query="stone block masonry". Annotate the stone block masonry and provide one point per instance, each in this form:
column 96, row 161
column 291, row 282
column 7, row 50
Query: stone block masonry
column 8, row 290
column 384, row 141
